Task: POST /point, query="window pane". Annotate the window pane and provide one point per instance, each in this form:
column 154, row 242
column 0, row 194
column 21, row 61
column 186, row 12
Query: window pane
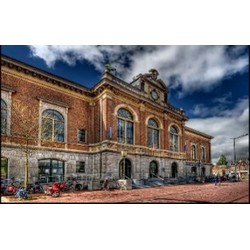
column 156, row 138
column 53, row 114
column 3, row 121
column 193, row 152
column 173, row 130
column 124, row 113
column 150, row 137
column 174, row 139
column 152, row 123
column 59, row 131
column 130, row 132
column 81, row 135
column 47, row 129
column 3, row 117
column 175, row 142
column 121, row 131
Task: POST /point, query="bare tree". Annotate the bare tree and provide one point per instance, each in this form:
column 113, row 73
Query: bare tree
column 24, row 131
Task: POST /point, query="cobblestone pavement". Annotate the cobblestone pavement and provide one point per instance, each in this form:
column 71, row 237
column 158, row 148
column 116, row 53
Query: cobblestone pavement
column 227, row 192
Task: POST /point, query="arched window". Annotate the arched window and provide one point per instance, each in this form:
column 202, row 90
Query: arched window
column 193, row 152
column 174, row 139
column 127, row 172
column 194, row 171
column 3, row 117
column 153, row 134
column 52, row 126
column 153, row 169
column 202, row 154
column 174, row 170
column 125, row 126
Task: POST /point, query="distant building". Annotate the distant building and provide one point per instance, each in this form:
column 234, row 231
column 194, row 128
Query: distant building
column 110, row 130
column 241, row 168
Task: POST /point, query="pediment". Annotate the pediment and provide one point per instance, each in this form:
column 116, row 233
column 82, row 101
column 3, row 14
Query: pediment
column 152, row 77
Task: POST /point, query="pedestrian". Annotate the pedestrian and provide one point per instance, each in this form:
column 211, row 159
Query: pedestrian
column 215, row 179
column 219, row 180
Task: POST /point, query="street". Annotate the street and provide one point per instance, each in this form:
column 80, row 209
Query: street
column 227, row 192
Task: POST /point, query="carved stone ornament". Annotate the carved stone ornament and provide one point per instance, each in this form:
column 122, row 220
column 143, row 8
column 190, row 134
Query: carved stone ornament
column 154, row 74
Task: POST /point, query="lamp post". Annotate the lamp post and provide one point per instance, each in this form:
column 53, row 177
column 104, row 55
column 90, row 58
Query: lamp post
column 234, row 138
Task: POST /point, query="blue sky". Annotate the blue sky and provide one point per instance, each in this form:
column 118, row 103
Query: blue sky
column 210, row 82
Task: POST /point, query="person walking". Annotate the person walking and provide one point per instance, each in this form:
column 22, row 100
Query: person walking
column 216, row 179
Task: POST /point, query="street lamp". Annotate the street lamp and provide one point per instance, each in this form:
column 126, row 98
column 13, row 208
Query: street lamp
column 234, row 138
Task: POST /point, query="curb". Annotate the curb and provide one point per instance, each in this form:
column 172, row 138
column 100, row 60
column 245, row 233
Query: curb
column 4, row 200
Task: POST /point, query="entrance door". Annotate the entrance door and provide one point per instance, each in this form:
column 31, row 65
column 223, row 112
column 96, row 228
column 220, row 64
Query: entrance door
column 153, row 169
column 203, row 171
column 128, row 169
column 4, row 168
column 194, row 171
column 174, row 170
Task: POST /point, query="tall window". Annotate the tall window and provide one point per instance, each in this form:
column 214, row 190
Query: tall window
column 193, row 152
column 125, row 127
column 174, row 139
column 3, row 117
column 52, row 126
column 153, row 134
column 50, row 170
column 202, row 154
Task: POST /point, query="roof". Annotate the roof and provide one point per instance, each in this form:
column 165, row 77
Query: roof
column 198, row 132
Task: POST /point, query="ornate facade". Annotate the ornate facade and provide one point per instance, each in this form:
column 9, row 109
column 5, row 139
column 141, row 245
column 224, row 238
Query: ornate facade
column 95, row 132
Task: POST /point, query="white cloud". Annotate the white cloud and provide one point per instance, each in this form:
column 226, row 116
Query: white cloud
column 191, row 68
column 229, row 124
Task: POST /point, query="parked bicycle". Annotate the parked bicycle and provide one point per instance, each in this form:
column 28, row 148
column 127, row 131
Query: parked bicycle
column 35, row 188
column 22, row 193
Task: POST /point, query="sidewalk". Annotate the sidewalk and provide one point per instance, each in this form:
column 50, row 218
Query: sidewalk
column 227, row 192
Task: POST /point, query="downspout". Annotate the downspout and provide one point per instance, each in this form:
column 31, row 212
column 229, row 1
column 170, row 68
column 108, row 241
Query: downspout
column 101, row 128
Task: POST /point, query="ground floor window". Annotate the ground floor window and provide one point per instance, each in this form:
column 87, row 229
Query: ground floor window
column 194, row 171
column 125, row 173
column 153, row 169
column 4, row 168
column 50, row 170
column 80, row 167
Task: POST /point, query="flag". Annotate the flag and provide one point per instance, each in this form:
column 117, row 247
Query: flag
column 109, row 133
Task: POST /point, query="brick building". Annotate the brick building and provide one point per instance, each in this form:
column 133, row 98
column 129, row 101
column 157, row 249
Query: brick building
column 94, row 132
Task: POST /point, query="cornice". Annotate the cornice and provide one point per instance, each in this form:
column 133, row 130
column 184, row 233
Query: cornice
column 193, row 131
column 43, row 75
column 7, row 88
column 108, row 81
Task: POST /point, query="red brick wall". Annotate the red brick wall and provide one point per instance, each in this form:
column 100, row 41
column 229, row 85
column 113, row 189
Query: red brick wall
column 84, row 114
column 79, row 114
column 199, row 141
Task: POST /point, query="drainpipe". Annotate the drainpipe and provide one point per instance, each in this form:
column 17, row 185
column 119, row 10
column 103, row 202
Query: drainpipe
column 101, row 110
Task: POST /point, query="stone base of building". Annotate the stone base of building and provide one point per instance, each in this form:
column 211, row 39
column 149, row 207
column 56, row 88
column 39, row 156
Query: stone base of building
column 97, row 167
column 94, row 185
